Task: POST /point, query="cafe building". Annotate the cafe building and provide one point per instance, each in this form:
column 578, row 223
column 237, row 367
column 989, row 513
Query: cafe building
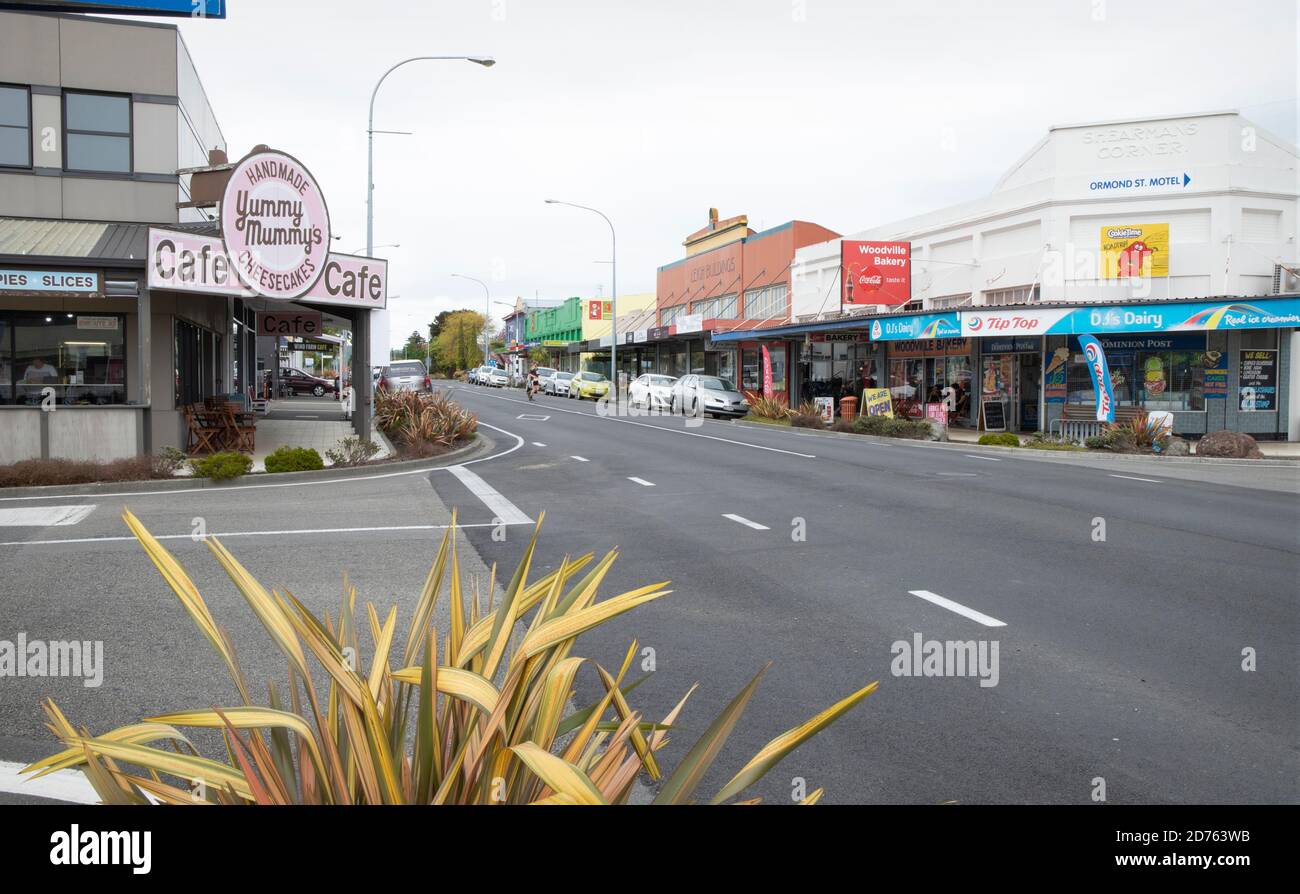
column 1094, row 230
column 127, row 290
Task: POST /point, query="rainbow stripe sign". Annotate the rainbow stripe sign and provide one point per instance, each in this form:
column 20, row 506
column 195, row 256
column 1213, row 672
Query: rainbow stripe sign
column 192, row 9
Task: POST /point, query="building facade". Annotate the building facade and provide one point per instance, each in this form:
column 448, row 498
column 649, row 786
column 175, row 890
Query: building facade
column 1117, row 216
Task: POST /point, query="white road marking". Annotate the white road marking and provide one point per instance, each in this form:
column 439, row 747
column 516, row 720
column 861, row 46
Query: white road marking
column 44, row 516
column 285, row 533
column 988, row 459
column 641, row 481
column 581, row 459
column 1131, row 478
column 956, row 474
column 502, row 508
column 65, row 785
column 529, row 417
column 671, row 431
column 746, row 522
column 538, row 444
column 957, row 607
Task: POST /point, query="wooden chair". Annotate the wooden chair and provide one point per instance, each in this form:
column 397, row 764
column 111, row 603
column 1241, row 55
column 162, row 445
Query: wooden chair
column 205, row 433
column 241, row 427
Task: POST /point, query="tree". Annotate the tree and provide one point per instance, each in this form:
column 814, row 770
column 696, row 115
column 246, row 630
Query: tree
column 460, row 341
column 435, row 328
column 415, row 347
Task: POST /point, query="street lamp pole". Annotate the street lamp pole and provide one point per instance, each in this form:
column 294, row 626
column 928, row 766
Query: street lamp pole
column 613, row 303
column 486, row 62
column 487, row 314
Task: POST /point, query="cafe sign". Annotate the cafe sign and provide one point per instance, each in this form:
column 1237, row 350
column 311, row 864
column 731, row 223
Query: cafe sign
column 275, row 225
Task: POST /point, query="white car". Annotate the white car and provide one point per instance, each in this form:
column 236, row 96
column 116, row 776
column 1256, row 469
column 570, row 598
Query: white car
column 651, row 390
column 493, row 376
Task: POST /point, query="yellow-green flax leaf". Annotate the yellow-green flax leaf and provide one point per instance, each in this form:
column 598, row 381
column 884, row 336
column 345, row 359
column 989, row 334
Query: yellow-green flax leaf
column 560, row 775
column 686, row 778
column 564, row 627
column 772, row 753
column 462, row 684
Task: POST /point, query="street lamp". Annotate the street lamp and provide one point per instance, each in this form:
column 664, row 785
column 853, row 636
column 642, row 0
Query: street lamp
column 487, row 314
column 613, row 303
column 485, row 61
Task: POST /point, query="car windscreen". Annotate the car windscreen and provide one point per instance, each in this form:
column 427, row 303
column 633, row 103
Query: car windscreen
column 712, row 384
column 564, row 375
column 592, row 377
column 406, row 369
column 544, row 371
column 662, row 380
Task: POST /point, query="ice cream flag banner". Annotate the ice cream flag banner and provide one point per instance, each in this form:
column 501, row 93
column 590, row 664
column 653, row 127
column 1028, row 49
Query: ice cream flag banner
column 1100, row 373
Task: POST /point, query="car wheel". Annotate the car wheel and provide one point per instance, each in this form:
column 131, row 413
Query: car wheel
column 318, row 391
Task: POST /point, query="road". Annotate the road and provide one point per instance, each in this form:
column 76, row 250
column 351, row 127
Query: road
column 1119, row 660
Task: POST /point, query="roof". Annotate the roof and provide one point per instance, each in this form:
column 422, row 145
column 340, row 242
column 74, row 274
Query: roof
column 31, row 240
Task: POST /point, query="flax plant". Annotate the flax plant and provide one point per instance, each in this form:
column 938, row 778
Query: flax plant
column 477, row 714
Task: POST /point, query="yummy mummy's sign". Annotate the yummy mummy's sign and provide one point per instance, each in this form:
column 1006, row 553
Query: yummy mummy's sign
column 275, row 225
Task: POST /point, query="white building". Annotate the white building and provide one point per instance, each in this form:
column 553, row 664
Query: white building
column 1226, row 189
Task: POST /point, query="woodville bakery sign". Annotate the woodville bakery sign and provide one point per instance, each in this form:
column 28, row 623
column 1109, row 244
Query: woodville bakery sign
column 275, row 225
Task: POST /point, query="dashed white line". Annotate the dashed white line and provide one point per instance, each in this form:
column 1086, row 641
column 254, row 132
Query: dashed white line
column 284, row 533
column 746, row 522
column 1132, row 478
column 45, row 516
column 988, row 459
column 641, row 481
column 979, row 617
column 581, row 459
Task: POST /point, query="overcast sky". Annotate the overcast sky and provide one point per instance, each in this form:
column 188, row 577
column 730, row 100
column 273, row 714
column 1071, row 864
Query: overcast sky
column 656, row 110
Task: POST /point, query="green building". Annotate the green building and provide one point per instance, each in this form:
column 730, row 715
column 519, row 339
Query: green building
column 554, row 329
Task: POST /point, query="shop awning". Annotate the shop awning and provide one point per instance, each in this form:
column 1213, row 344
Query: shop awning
column 861, row 323
column 32, row 241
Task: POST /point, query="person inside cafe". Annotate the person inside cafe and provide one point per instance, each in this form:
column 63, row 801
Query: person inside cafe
column 37, row 376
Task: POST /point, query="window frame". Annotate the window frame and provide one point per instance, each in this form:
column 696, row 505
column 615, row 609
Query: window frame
column 129, row 135
column 31, row 156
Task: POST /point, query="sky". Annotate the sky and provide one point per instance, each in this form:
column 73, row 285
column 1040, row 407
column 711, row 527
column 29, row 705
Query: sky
column 846, row 114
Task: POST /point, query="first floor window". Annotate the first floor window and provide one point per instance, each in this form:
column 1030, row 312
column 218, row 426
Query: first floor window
column 71, row 358
column 98, row 132
column 15, row 127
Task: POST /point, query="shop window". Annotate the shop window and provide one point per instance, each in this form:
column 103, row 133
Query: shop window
column 81, row 359
column 724, row 364
column 750, row 371
column 1151, row 379
column 15, row 127
column 669, row 314
column 769, row 303
column 98, row 132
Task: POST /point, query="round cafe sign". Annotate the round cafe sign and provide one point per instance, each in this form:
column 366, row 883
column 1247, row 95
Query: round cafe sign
column 275, row 225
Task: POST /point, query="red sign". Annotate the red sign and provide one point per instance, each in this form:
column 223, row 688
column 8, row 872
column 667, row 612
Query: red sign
column 599, row 310
column 767, row 372
column 876, row 272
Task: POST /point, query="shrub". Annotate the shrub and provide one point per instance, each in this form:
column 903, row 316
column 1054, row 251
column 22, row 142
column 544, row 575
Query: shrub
column 843, row 425
column 887, row 427
column 53, row 472
column 168, row 462
column 294, row 459
column 766, row 407
column 1040, row 441
column 807, row 416
column 222, row 466
column 352, row 452
column 475, row 717
column 999, row 439
column 420, row 421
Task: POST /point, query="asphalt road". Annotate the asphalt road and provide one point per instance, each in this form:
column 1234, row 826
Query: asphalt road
column 1119, row 660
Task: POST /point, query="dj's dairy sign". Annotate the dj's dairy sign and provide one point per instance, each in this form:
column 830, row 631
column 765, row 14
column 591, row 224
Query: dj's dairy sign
column 275, row 225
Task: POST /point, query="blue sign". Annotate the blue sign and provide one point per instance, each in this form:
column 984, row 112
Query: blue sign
column 57, row 282
column 1100, row 372
column 195, row 9
column 1171, row 179
column 907, row 328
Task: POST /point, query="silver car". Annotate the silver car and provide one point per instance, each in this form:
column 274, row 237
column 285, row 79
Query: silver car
column 651, row 390
column 493, row 376
column 707, row 395
column 405, row 375
column 558, row 384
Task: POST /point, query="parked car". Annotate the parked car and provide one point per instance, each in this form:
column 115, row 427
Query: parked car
column 471, row 376
column 651, row 390
column 405, row 375
column 544, row 374
column 494, row 377
column 707, row 395
column 558, row 384
column 295, row 381
column 588, row 384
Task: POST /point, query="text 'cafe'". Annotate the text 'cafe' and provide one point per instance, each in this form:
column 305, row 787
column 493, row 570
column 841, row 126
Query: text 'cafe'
column 108, row 331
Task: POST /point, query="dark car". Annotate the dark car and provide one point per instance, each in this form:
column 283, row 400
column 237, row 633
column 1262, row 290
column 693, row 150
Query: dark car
column 295, row 381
